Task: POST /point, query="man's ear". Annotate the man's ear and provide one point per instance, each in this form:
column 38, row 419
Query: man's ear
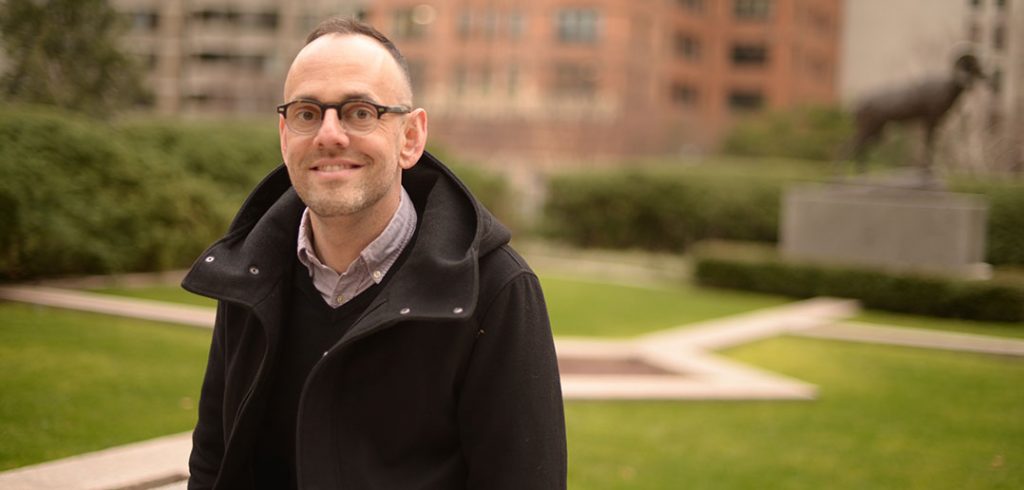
column 414, row 139
column 282, row 132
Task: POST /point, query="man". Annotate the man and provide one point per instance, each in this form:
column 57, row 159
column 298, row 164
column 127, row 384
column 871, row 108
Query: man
column 374, row 328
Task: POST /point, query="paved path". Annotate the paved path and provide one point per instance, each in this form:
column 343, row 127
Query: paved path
column 197, row 316
column 158, row 463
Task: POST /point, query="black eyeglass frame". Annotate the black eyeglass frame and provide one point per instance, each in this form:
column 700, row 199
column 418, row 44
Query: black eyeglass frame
column 381, row 109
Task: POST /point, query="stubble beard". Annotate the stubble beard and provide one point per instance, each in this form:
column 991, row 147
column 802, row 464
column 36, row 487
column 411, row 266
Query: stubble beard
column 348, row 198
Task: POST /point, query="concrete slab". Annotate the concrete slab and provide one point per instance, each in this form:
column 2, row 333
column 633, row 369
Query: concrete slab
column 915, row 337
column 196, row 316
column 157, row 463
column 686, row 352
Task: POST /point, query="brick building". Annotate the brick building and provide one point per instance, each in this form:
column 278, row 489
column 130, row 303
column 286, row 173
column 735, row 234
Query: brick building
column 546, row 80
column 553, row 79
column 220, row 56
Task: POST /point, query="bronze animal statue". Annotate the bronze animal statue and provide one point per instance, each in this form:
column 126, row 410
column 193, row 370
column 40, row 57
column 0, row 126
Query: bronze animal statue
column 926, row 101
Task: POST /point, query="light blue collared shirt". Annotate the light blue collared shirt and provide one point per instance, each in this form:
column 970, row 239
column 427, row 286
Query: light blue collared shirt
column 373, row 262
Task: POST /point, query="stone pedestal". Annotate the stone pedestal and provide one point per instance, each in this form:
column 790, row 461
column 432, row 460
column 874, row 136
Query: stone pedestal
column 891, row 227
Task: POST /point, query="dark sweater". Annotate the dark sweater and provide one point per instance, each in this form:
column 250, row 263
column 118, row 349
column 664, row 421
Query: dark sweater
column 312, row 328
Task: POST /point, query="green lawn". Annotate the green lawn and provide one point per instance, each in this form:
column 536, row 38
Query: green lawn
column 75, row 382
column 887, row 417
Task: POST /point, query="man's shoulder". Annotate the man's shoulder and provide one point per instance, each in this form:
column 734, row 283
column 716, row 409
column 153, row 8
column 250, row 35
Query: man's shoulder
column 501, row 266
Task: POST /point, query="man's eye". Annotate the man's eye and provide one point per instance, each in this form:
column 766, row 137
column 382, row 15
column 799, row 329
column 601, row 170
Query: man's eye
column 361, row 113
column 306, row 115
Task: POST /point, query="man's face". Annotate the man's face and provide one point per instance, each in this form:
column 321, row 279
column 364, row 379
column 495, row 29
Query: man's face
column 335, row 173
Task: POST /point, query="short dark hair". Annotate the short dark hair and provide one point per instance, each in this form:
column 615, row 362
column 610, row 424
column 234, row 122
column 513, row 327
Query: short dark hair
column 348, row 25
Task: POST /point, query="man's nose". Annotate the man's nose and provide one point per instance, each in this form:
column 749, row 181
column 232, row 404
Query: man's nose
column 332, row 132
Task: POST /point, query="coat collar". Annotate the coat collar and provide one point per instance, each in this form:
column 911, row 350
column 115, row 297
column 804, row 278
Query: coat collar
column 439, row 279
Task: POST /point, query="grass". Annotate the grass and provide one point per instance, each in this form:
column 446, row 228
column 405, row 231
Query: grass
column 887, row 417
column 76, row 382
column 589, row 308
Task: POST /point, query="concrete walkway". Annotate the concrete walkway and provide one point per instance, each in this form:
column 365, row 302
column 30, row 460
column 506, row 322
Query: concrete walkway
column 196, row 316
column 160, row 463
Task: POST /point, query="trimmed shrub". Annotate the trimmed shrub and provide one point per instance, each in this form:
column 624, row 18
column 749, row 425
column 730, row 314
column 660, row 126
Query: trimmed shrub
column 1005, row 236
column 78, row 199
column 633, row 209
column 758, row 268
column 490, row 188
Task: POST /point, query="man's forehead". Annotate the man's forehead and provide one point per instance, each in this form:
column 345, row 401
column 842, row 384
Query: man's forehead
column 352, row 53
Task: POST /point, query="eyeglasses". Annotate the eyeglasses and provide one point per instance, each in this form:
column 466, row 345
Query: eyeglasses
column 358, row 117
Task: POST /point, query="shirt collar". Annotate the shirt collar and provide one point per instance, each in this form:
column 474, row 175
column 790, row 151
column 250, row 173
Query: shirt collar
column 377, row 258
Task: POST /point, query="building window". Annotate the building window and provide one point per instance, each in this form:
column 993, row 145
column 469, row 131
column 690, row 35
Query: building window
column 417, row 73
column 264, row 20
column 489, row 24
column 974, row 32
column 579, row 26
column 512, row 83
column 683, row 95
column 460, row 76
column 574, row 80
column 687, row 46
column 975, row 3
column 746, row 100
column 749, row 55
column 691, row 5
column 485, row 78
column 516, row 25
column 217, row 16
column 752, row 9
column 245, row 62
column 999, row 37
column 145, row 21
column 1001, row 4
column 464, row 25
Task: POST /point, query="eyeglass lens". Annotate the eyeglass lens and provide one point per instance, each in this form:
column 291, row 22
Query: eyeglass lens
column 356, row 117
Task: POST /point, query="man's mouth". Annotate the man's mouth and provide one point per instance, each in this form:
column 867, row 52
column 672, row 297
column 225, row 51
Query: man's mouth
column 335, row 166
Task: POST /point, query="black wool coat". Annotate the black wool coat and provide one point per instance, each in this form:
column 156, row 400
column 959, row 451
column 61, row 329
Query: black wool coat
column 448, row 380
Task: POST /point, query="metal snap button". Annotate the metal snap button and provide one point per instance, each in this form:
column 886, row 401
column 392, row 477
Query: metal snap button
column 209, row 259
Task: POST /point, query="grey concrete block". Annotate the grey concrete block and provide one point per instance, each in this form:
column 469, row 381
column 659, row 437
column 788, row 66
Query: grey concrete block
column 891, row 227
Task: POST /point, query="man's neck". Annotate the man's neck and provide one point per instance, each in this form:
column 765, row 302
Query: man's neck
column 338, row 240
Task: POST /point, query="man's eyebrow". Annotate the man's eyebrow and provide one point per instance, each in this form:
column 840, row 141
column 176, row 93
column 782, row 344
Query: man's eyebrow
column 346, row 98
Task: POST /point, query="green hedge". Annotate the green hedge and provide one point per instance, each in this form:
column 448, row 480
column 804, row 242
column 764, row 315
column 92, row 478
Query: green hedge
column 81, row 196
column 654, row 211
column 757, row 268
column 668, row 211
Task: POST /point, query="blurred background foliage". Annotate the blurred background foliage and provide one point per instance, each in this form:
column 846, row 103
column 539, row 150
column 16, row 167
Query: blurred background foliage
column 68, row 53
column 86, row 196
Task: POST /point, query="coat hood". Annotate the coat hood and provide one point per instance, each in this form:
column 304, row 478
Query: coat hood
column 454, row 231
